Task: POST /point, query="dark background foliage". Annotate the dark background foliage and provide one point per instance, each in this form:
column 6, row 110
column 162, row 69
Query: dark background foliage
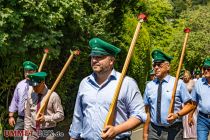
column 27, row 27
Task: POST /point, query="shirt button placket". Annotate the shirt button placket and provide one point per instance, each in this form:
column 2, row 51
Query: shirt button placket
column 96, row 108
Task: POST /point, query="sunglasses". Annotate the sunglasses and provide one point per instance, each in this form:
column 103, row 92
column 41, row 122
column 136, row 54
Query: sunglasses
column 204, row 69
column 158, row 64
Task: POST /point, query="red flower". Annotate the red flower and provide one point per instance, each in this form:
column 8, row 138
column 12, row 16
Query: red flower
column 142, row 16
column 187, row 30
column 46, row 50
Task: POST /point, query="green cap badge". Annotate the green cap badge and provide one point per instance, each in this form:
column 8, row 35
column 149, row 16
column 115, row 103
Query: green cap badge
column 28, row 65
column 159, row 56
column 36, row 78
column 206, row 62
column 100, row 48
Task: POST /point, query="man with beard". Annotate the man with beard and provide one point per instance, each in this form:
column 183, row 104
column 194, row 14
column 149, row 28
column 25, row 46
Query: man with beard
column 95, row 96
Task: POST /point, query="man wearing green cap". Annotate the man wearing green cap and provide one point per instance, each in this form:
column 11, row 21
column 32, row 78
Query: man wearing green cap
column 157, row 98
column 197, row 74
column 53, row 113
column 152, row 74
column 19, row 97
column 201, row 96
column 95, row 96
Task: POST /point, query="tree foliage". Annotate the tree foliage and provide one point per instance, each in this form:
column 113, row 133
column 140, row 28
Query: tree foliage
column 29, row 26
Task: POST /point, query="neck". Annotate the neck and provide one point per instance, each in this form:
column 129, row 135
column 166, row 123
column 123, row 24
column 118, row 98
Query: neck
column 101, row 77
column 162, row 77
column 186, row 81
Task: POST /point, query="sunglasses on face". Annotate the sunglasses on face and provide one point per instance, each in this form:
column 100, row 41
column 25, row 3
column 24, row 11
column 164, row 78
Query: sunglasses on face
column 158, row 64
column 204, row 69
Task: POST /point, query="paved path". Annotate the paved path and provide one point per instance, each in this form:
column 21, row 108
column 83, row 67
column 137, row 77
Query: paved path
column 138, row 134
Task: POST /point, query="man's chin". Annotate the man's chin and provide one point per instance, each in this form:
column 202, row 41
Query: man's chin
column 96, row 70
column 207, row 76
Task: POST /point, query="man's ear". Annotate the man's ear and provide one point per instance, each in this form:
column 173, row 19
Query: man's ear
column 42, row 82
column 168, row 66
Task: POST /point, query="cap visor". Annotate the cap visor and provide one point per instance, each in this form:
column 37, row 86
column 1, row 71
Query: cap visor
column 158, row 61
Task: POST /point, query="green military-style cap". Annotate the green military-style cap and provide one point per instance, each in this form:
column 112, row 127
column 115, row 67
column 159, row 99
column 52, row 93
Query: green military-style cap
column 151, row 72
column 28, row 65
column 36, row 78
column 206, row 63
column 100, row 48
column 159, row 56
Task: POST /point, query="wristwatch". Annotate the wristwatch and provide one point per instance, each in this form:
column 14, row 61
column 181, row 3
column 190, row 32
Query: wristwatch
column 179, row 116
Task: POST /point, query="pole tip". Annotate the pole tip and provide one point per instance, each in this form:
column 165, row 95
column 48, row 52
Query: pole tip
column 187, row 30
column 142, row 17
column 76, row 52
column 46, row 50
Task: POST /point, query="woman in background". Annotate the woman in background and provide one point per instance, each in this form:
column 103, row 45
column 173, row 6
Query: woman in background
column 189, row 131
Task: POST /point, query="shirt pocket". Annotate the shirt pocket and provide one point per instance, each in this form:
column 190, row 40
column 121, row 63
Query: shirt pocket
column 168, row 94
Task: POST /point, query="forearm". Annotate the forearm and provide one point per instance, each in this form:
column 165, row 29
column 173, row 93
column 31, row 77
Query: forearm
column 130, row 124
column 146, row 125
column 194, row 108
column 188, row 107
column 14, row 102
column 56, row 117
column 147, row 122
column 58, row 114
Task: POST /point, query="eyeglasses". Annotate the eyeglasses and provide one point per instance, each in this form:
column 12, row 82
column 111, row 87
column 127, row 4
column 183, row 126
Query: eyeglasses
column 158, row 64
column 204, row 69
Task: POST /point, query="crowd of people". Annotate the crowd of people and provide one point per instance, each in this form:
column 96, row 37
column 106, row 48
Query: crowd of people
column 190, row 118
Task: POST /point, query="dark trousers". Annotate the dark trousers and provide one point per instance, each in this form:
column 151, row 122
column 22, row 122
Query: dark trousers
column 126, row 138
column 173, row 132
column 19, row 125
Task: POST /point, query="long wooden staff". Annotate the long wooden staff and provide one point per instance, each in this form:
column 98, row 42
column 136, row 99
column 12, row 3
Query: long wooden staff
column 47, row 97
column 171, row 107
column 111, row 114
column 43, row 59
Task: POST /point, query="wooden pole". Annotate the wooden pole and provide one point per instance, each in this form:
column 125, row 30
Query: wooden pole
column 47, row 97
column 43, row 59
column 171, row 107
column 111, row 114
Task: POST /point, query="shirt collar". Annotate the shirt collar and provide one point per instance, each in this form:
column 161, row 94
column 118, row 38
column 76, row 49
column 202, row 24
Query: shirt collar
column 204, row 80
column 165, row 79
column 112, row 76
